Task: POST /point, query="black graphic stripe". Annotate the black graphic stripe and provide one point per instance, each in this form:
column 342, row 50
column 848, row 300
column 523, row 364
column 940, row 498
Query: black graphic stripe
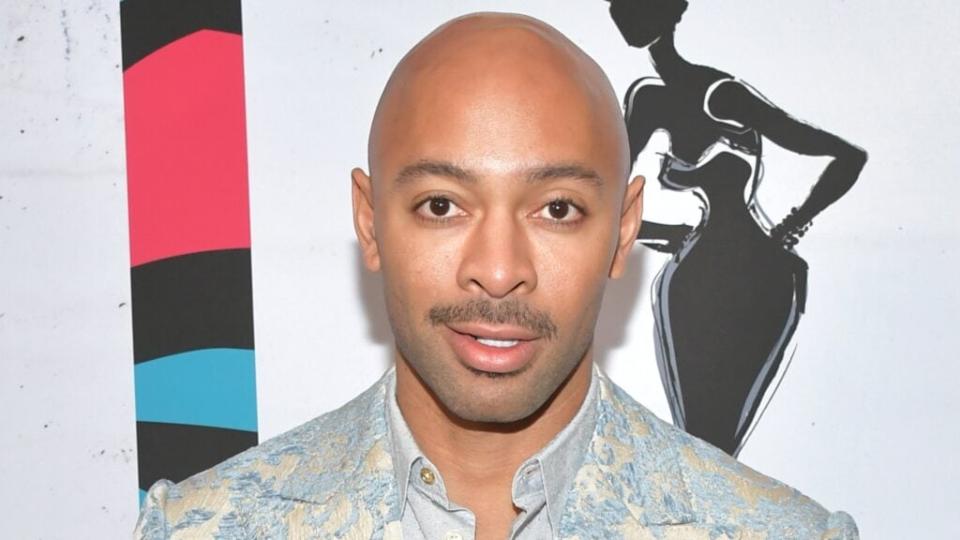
column 148, row 25
column 196, row 301
column 177, row 451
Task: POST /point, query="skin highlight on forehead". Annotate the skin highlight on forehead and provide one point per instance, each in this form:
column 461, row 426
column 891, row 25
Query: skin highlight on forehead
column 496, row 73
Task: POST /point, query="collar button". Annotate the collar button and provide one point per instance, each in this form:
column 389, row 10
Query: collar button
column 427, row 476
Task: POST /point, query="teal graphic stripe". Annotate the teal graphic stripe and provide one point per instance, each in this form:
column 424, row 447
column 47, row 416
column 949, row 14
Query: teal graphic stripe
column 143, row 495
column 207, row 387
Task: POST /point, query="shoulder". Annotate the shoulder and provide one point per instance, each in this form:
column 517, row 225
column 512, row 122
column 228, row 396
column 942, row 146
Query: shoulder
column 726, row 494
column 642, row 91
column 644, row 84
column 723, row 490
column 728, row 100
column 250, row 491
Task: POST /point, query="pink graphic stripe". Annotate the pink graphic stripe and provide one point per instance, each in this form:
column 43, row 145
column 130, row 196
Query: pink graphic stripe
column 187, row 149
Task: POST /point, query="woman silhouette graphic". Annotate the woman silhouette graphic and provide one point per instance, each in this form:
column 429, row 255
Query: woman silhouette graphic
column 727, row 303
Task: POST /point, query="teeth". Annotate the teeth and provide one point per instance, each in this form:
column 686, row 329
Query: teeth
column 498, row 342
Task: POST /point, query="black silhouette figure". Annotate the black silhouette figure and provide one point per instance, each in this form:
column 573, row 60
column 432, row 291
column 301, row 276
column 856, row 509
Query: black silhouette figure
column 728, row 302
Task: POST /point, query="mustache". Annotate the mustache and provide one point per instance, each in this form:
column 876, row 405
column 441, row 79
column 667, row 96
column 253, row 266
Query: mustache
column 507, row 312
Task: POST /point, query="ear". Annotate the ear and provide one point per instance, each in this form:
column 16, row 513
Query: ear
column 630, row 220
column 363, row 219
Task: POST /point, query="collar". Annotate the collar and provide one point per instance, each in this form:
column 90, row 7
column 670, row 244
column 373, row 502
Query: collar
column 406, row 453
column 632, row 464
column 558, row 461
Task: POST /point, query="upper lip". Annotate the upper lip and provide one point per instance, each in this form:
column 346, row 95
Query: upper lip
column 501, row 332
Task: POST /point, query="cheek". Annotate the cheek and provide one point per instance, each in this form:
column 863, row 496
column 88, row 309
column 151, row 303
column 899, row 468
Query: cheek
column 572, row 272
column 580, row 254
column 417, row 266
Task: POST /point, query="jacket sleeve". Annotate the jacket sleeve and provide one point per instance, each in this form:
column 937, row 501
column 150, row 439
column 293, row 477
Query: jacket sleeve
column 152, row 524
column 840, row 526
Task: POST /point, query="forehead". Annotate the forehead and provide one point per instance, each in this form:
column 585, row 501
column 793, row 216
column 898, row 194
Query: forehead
column 497, row 132
column 496, row 114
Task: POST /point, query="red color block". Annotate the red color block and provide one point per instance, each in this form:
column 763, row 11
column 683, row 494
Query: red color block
column 187, row 148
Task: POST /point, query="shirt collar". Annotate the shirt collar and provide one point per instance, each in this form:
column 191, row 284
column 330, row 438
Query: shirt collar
column 405, row 449
column 558, row 461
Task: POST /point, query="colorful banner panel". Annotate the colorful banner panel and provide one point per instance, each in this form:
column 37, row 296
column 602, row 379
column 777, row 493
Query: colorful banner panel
column 189, row 235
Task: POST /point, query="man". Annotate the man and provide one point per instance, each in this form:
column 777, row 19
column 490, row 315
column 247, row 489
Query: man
column 497, row 206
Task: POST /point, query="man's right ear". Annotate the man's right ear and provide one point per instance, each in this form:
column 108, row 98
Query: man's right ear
column 363, row 219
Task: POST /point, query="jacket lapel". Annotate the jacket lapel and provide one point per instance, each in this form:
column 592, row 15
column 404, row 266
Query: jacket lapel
column 631, row 479
column 345, row 473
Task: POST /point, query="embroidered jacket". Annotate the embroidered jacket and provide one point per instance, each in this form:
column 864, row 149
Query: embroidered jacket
column 333, row 477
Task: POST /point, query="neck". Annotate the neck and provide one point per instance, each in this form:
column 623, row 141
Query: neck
column 667, row 61
column 475, row 457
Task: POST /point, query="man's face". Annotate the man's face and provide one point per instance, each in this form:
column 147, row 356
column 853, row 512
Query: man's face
column 497, row 211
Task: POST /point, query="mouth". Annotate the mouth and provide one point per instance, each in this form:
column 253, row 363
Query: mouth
column 492, row 350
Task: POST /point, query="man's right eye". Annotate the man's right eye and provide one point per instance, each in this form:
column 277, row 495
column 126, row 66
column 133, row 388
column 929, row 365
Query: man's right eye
column 439, row 209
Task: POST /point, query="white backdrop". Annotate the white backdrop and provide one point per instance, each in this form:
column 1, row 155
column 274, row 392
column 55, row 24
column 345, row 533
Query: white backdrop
column 862, row 421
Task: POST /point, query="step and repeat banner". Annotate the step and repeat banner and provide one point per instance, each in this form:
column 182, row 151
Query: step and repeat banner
column 176, row 184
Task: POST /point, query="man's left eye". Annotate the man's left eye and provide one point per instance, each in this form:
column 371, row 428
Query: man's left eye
column 560, row 210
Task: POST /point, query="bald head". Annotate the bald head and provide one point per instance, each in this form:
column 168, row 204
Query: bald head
column 506, row 75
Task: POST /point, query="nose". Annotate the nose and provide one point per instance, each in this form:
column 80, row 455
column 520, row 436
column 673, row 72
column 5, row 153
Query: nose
column 497, row 258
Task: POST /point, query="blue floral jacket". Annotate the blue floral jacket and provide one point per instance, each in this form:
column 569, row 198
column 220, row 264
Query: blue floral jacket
column 332, row 477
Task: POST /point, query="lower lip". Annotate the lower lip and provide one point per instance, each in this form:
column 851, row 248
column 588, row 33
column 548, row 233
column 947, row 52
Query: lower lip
column 480, row 357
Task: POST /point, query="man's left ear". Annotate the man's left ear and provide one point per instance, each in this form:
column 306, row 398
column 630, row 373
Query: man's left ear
column 630, row 220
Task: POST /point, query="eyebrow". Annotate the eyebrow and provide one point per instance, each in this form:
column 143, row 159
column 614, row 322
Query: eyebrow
column 423, row 168
column 564, row 170
column 534, row 175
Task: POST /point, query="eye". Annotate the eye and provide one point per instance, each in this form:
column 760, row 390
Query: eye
column 561, row 211
column 438, row 208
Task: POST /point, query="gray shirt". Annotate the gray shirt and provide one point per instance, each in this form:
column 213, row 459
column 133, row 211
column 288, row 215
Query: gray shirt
column 540, row 484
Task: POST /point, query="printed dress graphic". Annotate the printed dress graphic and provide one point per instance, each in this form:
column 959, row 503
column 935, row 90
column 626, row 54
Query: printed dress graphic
column 728, row 301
